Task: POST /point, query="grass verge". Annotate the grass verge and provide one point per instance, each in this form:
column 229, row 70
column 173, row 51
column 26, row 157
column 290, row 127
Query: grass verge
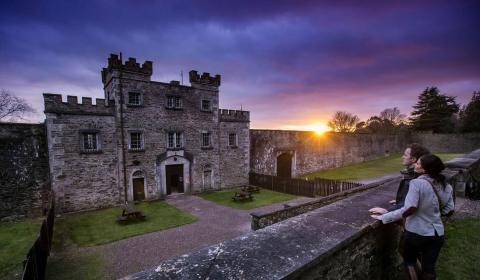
column 100, row 227
column 263, row 198
column 15, row 241
column 460, row 255
column 368, row 170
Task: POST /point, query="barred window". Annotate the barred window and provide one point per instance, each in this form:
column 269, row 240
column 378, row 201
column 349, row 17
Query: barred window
column 174, row 102
column 206, row 139
column 232, row 139
column 206, row 105
column 90, row 142
column 136, row 141
column 175, row 140
column 134, row 98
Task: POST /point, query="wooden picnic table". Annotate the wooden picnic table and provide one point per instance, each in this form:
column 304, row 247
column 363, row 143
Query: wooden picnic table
column 242, row 196
column 130, row 213
column 251, row 189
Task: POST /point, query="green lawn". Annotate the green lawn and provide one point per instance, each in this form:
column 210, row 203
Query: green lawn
column 369, row 169
column 100, row 227
column 264, row 197
column 15, row 241
column 459, row 257
column 89, row 267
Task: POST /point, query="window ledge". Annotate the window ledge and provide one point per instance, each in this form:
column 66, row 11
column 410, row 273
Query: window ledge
column 233, row 147
column 175, row 149
column 174, row 109
column 207, row 148
column 206, row 111
column 91, row 152
column 136, row 150
column 135, row 105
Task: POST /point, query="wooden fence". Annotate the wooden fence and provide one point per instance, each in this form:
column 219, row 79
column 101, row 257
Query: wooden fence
column 35, row 264
column 303, row 187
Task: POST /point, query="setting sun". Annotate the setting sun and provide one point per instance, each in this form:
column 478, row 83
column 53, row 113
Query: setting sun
column 320, row 128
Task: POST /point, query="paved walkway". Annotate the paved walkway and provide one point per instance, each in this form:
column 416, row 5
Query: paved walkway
column 215, row 224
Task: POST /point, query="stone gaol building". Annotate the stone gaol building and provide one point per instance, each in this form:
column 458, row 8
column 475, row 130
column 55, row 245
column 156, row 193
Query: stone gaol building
column 144, row 140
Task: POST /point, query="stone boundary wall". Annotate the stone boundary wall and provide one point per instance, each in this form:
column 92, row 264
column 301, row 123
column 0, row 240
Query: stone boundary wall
column 311, row 152
column 447, row 143
column 24, row 172
column 337, row 241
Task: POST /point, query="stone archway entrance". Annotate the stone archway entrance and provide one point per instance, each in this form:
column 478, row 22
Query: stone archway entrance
column 284, row 165
column 173, row 172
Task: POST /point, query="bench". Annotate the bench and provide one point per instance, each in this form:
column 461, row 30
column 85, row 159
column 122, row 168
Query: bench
column 129, row 213
column 242, row 196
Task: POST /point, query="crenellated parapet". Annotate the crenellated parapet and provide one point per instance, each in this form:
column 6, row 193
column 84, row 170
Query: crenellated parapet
column 131, row 66
column 226, row 115
column 204, row 79
column 54, row 104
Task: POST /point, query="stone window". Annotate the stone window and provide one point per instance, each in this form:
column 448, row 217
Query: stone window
column 206, row 139
column 174, row 140
column 134, row 99
column 174, row 102
column 206, row 105
column 136, row 141
column 90, row 141
column 232, row 139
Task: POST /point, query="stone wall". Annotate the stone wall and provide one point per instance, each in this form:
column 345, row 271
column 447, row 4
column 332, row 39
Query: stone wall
column 313, row 152
column 82, row 180
column 24, row 174
column 448, row 143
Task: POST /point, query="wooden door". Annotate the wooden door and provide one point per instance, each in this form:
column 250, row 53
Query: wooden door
column 138, row 189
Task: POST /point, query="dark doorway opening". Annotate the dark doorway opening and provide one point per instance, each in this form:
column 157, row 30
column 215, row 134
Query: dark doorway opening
column 284, row 165
column 138, row 189
column 174, row 178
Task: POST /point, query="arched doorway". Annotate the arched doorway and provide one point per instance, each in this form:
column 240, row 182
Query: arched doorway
column 138, row 185
column 173, row 173
column 284, row 165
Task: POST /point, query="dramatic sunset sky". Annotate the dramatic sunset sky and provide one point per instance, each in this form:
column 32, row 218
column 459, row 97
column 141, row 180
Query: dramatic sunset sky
column 291, row 63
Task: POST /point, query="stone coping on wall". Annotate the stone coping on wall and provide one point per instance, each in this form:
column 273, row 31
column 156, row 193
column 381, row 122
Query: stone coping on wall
column 282, row 250
column 267, row 218
column 465, row 161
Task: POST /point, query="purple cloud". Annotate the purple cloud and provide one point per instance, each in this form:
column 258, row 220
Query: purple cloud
column 289, row 62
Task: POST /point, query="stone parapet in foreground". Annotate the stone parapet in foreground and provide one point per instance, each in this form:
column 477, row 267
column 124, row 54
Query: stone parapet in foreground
column 337, row 241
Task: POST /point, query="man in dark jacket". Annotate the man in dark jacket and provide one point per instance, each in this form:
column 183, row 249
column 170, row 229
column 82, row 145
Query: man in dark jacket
column 412, row 153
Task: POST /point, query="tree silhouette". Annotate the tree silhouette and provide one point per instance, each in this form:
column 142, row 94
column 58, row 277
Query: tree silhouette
column 343, row 122
column 470, row 114
column 434, row 112
column 13, row 106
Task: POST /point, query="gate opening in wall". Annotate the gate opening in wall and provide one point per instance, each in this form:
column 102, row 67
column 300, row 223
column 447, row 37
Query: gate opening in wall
column 284, row 165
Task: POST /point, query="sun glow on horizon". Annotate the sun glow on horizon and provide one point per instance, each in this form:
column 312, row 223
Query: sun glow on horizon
column 318, row 128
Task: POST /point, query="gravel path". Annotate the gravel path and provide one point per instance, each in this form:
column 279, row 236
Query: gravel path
column 215, row 224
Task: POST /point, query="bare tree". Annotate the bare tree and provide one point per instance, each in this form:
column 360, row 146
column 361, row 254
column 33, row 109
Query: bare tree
column 12, row 106
column 393, row 115
column 343, row 122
